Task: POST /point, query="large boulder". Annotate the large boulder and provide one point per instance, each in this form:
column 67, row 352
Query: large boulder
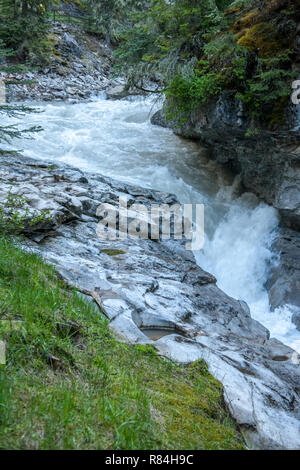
column 117, row 92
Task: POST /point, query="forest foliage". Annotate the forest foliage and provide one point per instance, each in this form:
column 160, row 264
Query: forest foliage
column 192, row 49
column 23, row 42
column 196, row 50
column 24, row 26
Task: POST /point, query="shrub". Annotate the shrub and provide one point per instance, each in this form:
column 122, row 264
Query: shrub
column 15, row 216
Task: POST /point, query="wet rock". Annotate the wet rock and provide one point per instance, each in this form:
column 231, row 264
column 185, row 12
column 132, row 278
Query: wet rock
column 71, row 45
column 159, row 119
column 142, row 284
column 284, row 279
column 296, row 320
column 117, row 92
column 120, row 91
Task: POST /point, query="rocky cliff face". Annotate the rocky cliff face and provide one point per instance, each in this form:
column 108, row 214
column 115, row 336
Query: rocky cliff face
column 144, row 284
column 268, row 162
column 141, row 284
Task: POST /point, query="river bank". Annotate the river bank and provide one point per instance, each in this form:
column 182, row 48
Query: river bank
column 240, row 230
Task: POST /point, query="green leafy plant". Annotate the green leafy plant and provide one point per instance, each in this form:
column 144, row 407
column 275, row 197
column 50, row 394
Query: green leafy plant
column 9, row 132
column 16, row 217
column 186, row 94
column 166, row 38
column 269, row 88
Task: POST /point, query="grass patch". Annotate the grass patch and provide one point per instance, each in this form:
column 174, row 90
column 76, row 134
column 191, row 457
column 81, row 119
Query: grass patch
column 69, row 384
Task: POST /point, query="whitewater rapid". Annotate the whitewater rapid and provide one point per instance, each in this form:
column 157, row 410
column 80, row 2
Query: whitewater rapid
column 116, row 139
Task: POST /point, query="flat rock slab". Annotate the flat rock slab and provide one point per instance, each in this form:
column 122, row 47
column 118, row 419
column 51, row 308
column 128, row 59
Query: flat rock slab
column 143, row 284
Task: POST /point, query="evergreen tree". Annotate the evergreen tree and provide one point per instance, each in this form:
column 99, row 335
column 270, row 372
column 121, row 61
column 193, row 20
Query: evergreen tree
column 109, row 17
column 12, row 131
column 24, row 26
column 167, row 37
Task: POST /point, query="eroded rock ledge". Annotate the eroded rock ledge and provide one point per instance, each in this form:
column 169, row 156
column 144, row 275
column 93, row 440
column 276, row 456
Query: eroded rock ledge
column 144, row 284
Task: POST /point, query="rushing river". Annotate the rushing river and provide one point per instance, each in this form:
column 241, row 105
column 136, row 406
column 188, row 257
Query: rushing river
column 116, row 139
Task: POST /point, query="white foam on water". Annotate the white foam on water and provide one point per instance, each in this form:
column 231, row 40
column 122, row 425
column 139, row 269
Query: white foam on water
column 116, row 139
column 239, row 255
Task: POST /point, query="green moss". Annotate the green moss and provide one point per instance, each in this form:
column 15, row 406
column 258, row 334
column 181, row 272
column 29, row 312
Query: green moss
column 68, row 384
column 112, row 252
column 196, row 403
column 52, row 167
column 262, row 37
column 247, row 20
